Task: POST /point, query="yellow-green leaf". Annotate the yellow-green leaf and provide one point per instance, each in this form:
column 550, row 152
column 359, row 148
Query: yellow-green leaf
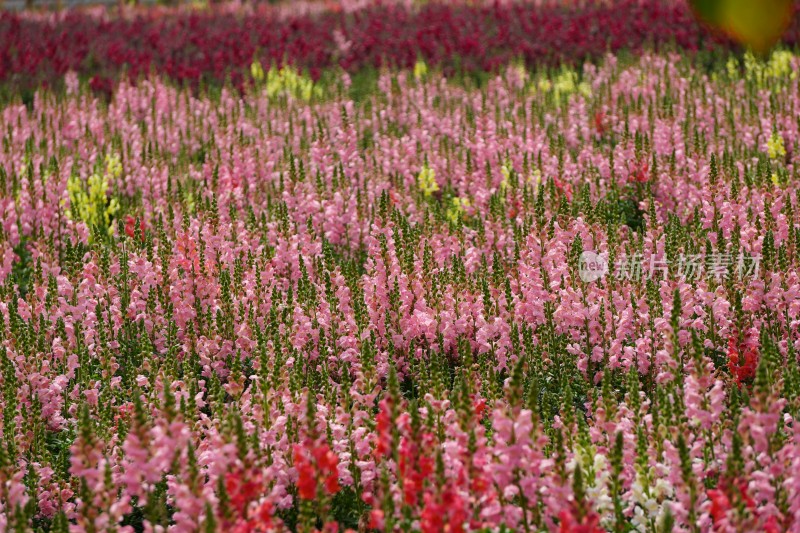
column 757, row 24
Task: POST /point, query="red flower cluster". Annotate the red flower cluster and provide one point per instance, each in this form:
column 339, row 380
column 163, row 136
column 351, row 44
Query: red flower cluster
column 315, row 464
column 639, row 173
column 244, row 489
column 600, row 123
column 444, row 513
column 726, row 497
column 569, row 523
column 742, row 359
column 218, row 44
column 131, row 229
column 415, row 468
column 383, row 422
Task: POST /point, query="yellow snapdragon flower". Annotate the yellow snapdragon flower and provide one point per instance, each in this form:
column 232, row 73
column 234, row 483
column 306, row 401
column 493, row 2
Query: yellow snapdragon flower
column 544, row 85
column 285, row 81
column 536, row 179
column 257, row 71
column 89, row 202
column 457, row 208
column 427, row 180
column 505, row 170
column 775, row 146
column 564, row 83
column 420, row 69
column 780, row 65
column 732, row 67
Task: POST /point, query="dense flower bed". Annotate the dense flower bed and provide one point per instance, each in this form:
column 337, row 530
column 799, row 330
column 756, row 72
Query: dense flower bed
column 439, row 307
column 211, row 45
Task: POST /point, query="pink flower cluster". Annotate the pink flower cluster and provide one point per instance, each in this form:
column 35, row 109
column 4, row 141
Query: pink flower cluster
column 246, row 312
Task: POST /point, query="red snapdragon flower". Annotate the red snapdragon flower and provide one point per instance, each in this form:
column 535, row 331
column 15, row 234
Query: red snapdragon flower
column 599, row 122
column 383, row 436
column 432, row 517
column 130, row 227
column 564, row 187
column 570, row 522
column 639, row 173
column 315, row 464
column 742, row 359
column 732, row 493
column 772, row 525
column 306, row 477
column 720, row 505
column 327, row 463
column 243, row 489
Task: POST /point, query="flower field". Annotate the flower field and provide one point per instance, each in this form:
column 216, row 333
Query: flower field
column 208, row 46
column 561, row 296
